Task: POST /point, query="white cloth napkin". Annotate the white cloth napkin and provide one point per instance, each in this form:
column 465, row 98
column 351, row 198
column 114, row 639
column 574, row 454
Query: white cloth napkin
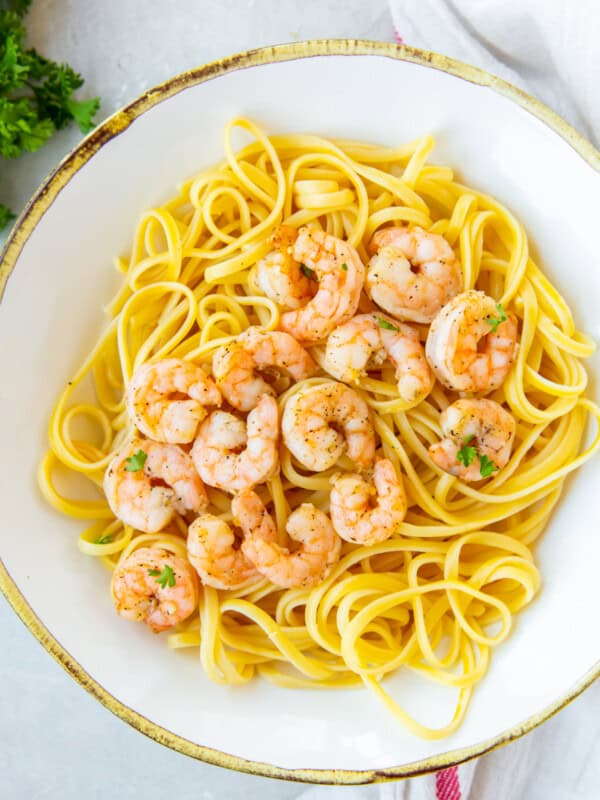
column 550, row 48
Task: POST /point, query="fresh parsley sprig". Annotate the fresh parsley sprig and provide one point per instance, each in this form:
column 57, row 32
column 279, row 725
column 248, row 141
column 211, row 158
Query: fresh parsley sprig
column 487, row 466
column 383, row 323
column 467, row 455
column 36, row 94
column 493, row 322
column 164, row 578
column 136, row 462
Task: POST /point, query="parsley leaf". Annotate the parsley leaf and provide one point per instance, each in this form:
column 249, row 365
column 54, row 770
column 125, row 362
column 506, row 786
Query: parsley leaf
column 466, row 455
column 383, row 323
column 36, row 94
column 6, row 216
column 167, row 576
column 83, row 112
column 345, row 267
column 104, row 539
column 310, row 273
column 136, row 462
column 21, row 129
column 17, row 6
column 495, row 321
column 486, row 466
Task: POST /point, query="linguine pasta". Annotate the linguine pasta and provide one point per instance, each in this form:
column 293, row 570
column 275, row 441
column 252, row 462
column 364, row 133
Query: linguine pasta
column 442, row 592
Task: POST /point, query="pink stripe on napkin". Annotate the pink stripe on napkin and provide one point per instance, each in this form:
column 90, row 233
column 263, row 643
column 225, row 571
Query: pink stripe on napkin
column 447, row 784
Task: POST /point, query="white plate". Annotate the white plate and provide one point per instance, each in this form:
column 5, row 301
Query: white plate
column 498, row 140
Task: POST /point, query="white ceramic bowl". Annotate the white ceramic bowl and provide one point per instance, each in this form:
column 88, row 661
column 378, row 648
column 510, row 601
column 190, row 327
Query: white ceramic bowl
column 59, row 261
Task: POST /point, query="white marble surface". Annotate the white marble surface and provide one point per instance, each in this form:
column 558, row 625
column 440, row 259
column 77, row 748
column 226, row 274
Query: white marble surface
column 56, row 741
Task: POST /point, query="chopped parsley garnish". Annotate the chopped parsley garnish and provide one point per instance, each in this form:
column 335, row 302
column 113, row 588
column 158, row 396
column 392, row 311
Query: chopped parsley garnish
column 466, row 455
column 310, row 273
column 167, row 576
column 383, row 323
column 487, row 466
column 493, row 322
column 345, row 267
column 136, row 462
column 107, row 539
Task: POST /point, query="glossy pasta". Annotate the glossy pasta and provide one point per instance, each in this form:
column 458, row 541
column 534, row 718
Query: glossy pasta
column 439, row 595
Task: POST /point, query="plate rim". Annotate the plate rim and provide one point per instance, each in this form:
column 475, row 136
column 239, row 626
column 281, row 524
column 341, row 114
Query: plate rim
column 43, row 198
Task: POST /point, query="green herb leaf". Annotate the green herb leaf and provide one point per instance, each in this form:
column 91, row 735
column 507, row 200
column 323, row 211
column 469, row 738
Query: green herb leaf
column 83, row 112
column 104, row 539
column 164, row 578
column 19, row 7
column 466, row 455
column 486, row 466
column 6, row 216
column 136, row 462
column 310, row 273
column 383, row 323
column 345, row 267
column 495, row 321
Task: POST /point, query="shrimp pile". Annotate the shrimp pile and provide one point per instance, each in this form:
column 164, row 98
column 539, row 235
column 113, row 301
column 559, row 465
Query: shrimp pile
column 266, row 393
column 335, row 403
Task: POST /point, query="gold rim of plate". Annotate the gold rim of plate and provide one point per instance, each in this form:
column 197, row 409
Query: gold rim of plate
column 25, row 225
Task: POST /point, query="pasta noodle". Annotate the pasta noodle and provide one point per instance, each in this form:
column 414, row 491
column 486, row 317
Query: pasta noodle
column 439, row 595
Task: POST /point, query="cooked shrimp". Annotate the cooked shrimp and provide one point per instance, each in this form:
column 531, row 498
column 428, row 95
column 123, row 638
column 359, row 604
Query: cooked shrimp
column 211, row 551
column 308, row 432
column 147, row 483
column 354, row 515
column 156, row 587
column 231, row 454
column 412, row 274
column 167, row 399
column 240, row 367
column 279, row 275
column 367, row 341
column 471, row 343
column 478, row 439
column 340, row 274
column 311, row 563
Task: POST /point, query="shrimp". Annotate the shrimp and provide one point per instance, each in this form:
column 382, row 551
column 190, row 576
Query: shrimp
column 412, row 274
column 211, row 551
column 478, row 439
column 231, row 454
column 167, row 399
column 354, row 516
column 156, row 587
column 340, row 274
column 147, row 483
column 308, row 432
column 280, row 276
column 319, row 546
column 367, row 340
column 237, row 367
column 471, row 343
